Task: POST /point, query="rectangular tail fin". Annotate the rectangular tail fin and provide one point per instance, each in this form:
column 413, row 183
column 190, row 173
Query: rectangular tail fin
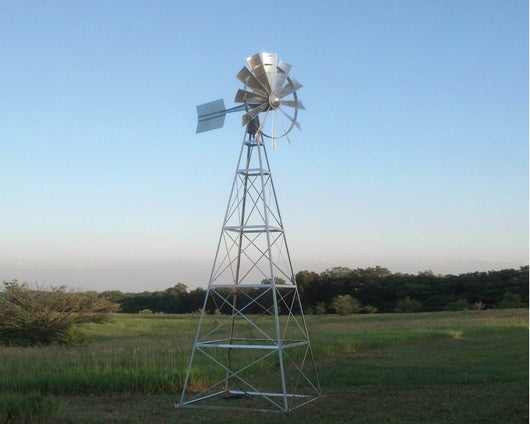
column 211, row 116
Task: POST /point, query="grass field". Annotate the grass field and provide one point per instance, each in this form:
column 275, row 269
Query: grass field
column 447, row 367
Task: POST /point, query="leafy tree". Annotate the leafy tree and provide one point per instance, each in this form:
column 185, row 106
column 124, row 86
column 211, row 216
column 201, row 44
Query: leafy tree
column 171, row 300
column 36, row 316
column 194, row 300
column 114, row 296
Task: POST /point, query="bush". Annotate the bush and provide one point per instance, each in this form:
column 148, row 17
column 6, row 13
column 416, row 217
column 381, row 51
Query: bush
column 458, row 305
column 345, row 304
column 35, row 316
column 511, row 300
column 369, row 309
column 408, row 305
column 320, row 308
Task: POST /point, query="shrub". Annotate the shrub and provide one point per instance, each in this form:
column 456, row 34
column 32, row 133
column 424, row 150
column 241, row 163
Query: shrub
column 36, row 316
column 511, row 300
column 457, row 305
column 345, row 304
column 369, row 309
column 408, row 305
column 320, row 308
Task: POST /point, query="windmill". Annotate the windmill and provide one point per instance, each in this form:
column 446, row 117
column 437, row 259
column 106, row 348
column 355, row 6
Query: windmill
column 252, row 335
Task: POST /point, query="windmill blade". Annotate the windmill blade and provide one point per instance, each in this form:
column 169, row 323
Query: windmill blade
column 249, row 79
column 290, row 87
column 285, row 67
column 270, row 61
column 258, row 69
column 249, row 116
column 261, row 75
column 243, row 96
column 281, row 75
column 294, row 103
column 254, row 61
column 295, row 123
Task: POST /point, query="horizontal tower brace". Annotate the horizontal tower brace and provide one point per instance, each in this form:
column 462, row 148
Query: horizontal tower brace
column 289, row 395
column 253, row 229
column 264, row 286
column 252, row 346
column 253, row 172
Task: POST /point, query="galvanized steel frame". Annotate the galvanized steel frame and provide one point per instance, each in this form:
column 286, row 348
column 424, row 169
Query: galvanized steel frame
column 254, row 206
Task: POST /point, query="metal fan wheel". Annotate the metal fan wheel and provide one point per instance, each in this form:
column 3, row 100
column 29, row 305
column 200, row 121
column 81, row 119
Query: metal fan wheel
column 278, row 117
column 270, row 92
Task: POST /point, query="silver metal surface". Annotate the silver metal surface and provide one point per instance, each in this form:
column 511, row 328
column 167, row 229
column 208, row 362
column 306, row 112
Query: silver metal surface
column 211, row 115
column 268, row 89
column 270, row 64
column 281, row 76
column 249, row 116
column 270, row 76
column 289, row 88
column 250, row 80
column 294, row 103
column 254, row 61
column 250, row 98
column 252, row 329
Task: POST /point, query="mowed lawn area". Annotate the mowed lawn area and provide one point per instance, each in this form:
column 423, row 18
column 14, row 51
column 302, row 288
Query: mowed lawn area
column 443, row 367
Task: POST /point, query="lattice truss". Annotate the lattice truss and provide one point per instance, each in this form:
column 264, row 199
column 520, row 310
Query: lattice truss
column 250, row 366
column 253, row 238
column 252, row 335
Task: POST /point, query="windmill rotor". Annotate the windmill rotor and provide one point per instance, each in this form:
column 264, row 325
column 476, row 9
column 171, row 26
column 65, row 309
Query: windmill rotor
column 268, row 90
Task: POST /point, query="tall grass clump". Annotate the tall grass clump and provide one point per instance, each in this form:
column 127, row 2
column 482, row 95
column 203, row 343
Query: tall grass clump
column 31, row 408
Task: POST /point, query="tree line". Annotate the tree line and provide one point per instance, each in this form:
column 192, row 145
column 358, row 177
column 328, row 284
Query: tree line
column 378, row 289
column 34, row 315
column 363, row 290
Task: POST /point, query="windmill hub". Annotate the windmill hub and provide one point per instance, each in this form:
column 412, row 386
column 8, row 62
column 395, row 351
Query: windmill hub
column 274, row 100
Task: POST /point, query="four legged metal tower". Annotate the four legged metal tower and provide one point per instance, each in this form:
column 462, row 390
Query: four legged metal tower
column 252, row 347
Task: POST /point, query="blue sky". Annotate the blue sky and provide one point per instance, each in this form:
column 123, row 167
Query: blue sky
column 413, row 153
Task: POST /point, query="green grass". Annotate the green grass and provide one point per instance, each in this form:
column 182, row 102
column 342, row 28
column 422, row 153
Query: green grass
column 28, row 407
column 448, row 367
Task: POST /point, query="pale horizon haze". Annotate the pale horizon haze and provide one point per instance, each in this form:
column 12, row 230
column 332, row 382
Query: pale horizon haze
column 413, row 153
